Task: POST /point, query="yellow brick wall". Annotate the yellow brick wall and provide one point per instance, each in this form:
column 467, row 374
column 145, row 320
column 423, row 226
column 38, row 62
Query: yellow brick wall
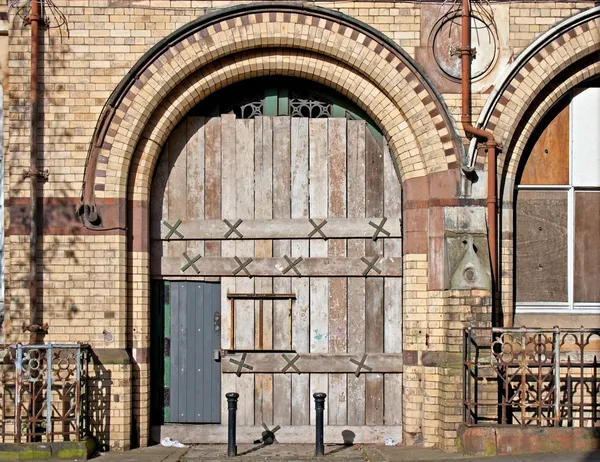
column 83, row 278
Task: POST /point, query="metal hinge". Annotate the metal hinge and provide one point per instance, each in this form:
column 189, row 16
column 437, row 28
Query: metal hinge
column 167, row 294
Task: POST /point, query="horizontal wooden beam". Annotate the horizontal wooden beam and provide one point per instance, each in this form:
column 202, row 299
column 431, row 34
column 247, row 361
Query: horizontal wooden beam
column 261, row 296
column 302, row 228
column 293, row 363
column 298, row 434
column 191, row 265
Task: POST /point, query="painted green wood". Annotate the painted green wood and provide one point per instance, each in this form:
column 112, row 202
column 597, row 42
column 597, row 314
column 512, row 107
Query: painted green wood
column 270, row 103
column 284, row 102
column 157, row 351
column 166, row 354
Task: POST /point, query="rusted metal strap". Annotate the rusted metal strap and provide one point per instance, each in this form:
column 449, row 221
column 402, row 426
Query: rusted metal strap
column 191, row 262
column 292, row 265
column 233, row 228
column 242, row 266
column 379, row 228
column 241, row 364
column 370, row 265
column 173, row 229
column 318, row 228
column 290, row 363
column 361, row 365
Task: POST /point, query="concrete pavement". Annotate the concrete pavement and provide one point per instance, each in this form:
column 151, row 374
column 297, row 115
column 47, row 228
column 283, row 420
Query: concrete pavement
column 298, row 453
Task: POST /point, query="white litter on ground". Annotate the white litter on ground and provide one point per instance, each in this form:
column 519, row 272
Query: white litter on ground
column 169, row 443
column 390, row 442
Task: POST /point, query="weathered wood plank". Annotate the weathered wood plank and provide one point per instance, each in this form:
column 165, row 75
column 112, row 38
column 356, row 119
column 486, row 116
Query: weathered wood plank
column 392, row 248
column 282, row 318
column 342, row 363
column 244, row 185
column 228, row 209
column 393, row 399
column 300, row 228
column 212, row 175
column 338, row 313
column 263, row 309
column 177, row 182
column 314, row 267
column 194, row 154
column 159, row 200
column 319, row 288
column 302, row 434
column 374, row 199
column 263, row 398
column 356, row 286
column 301, row 400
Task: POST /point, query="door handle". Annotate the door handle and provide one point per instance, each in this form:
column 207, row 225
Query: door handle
column 217, row 355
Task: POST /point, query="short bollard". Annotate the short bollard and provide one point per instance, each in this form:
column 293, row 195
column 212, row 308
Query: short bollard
column 232, row 408
column 319, row 408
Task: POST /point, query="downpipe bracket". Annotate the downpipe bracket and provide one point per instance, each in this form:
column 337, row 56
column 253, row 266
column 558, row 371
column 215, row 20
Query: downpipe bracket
column 41, row 174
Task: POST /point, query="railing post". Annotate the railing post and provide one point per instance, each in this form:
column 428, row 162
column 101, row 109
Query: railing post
column 320, row 409
column 48, row 391
column 557, row 374
column 232, row 399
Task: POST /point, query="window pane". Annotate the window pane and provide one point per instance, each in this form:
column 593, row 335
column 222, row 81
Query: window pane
column 541, row 246
column 548, row 161
column 587, row 246
column 585, row 130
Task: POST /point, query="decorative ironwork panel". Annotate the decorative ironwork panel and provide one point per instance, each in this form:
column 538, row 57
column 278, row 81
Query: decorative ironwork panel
column 541, row 377
column 41, row 393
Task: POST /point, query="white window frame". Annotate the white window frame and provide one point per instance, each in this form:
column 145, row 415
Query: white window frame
column 570, row 306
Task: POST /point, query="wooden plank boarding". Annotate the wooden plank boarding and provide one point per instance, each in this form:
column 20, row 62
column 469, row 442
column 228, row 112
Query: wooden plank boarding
column 343, row 288
column 282, row 320
column 301, row 399
column 244, row 309
column 356, row 286
column 319, row 287
column 392, row 296
column 298, row 228
column 337, row 363
column 228, row 209
column 263, row 209
column 338, row 303
column 373, row 287
column 307, row 267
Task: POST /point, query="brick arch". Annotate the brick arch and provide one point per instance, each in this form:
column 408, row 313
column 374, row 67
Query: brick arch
column 540, row 69
column 343, row 53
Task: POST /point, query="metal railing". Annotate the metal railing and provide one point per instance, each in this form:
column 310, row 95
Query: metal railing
column 42, row 390
column 524, row 376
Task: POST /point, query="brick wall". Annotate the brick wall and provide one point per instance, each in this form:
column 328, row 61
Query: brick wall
column 93, row 291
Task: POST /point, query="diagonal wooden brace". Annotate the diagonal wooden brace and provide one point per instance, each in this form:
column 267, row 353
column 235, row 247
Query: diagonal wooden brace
column 242, row 266
column 173, row 230
column 318, row 228
column 241, row 364
column 370, row 265
column 379, row 229
column 292, row 265
column 191, row 262
column 290, row 363
column 233, row 228
column 361, row 365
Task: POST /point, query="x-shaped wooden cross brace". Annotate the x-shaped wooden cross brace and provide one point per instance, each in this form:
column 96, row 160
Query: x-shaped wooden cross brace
column 173, row 230
column 241, row 364
column 379, row 228
column 242, row 266
column 370, row 265
column 292, row 265
column 318, row 228
column 361, row 365
column 191, row 262
column 233, row 228
column 290, row 363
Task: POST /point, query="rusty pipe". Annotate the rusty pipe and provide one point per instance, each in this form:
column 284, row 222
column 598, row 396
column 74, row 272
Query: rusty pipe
column 466, row 53
column 34, row 20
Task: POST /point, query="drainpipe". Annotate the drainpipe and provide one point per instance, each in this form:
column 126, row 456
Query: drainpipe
column 34, row 20
column 490, row 143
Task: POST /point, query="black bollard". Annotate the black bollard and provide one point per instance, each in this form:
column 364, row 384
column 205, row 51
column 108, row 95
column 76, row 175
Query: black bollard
column 232, row 408
column 320, row 408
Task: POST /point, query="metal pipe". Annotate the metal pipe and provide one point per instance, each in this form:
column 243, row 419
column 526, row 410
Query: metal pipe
column 466, row 53
column 232, row 399
column 34, row 19
column 320, row 409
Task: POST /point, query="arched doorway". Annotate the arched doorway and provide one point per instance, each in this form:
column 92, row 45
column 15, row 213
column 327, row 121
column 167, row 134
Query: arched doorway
column 276, row 261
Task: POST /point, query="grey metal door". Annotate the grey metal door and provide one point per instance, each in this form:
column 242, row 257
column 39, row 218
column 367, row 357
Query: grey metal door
column 195, row 335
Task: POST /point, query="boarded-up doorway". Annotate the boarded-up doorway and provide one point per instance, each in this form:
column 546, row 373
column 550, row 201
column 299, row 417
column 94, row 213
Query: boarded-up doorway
column 299, row 220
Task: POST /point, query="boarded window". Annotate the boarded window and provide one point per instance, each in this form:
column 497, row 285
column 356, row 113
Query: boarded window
column 541, row 246
column 587, row 247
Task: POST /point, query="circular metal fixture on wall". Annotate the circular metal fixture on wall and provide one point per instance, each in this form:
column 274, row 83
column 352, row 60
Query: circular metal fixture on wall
column 445, row 40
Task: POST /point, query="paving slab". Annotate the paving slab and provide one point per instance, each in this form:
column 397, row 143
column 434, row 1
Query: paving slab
column 274, row 452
